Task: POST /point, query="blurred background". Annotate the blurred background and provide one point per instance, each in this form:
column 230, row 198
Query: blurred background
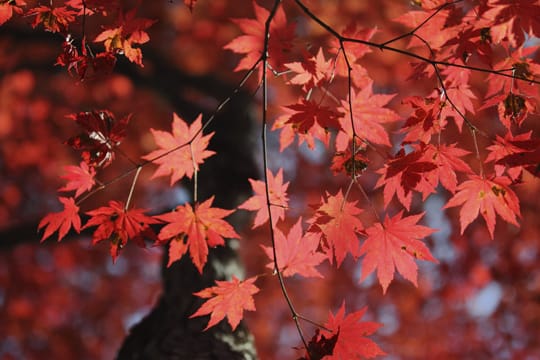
column 69, row 301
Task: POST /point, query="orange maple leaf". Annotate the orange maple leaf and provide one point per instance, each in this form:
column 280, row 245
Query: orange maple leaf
column 228, row 298
column 394, row 244
column 129, row 32
column 296, row 253
column 201, row 227
column 278, row 199
column 487, row 197
column 181, row 150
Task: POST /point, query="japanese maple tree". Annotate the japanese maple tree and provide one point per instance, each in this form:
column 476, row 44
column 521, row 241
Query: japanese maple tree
column 384, row 138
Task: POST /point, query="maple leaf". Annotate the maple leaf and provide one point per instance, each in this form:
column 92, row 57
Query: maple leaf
column 352, row 342
column 102, row 133
column 436, row 29
column 336, row 218
column 8, row 8
column 447, row 160
column 80, row 178
column 354, row 51
column 426, row 120
column 405, row 173
column 85, row 66
column 121, row 39
column 53, row 19
column 228, row 298
column 512, row 19
column 487, row 197
column 61, row 221
column 512, row 153
column 119, row 225
column 278, row 199
column 180, row 150
column 289, row 130
column 201, row 227
column 311, row 72
column 343, row 161
column 394, row 244
column 296, row 254
column 308, row 112
column 251, row 44
column 368, row 116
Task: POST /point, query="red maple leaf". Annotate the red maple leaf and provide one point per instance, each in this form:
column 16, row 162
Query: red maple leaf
column 514, row 153
column 8, row 8
column 296, row 253
column 352, row 342
column 447, row 159
column 102, row 133
column 118, row 225
column 354, row 51
column 130, row 31
column 369, row 115
column 61, row 221
column 512, row 19
column 196, row 229
column 394, row 244
column 84, row 65
column 307, row 112
column 405, row 173
column 79, row 178
column 436, row 29
column 289, row 130
column 251, row 44
column 278, row 199
column 487, row 197
column 337, row 220
column 181, row 151
column 426, row 120
column 311, row 72
column 228, row 298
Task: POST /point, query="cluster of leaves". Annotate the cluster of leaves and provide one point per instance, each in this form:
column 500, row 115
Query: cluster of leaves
column 339, row 108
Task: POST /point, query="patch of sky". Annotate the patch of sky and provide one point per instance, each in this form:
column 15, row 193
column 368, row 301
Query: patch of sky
column 485, row 301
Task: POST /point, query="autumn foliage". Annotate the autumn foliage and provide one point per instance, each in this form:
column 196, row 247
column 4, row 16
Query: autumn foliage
column 437, row 105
